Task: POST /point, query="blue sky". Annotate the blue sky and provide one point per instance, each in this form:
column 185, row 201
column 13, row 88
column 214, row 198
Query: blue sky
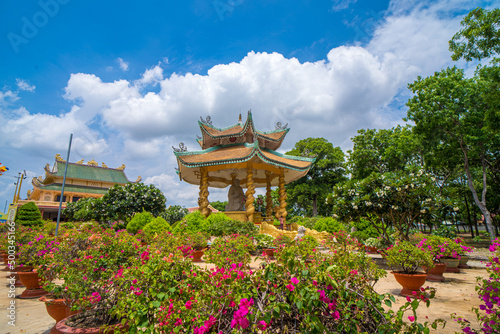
column 130, row 79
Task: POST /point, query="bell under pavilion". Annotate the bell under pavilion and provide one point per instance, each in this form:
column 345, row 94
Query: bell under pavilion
column 241, row 154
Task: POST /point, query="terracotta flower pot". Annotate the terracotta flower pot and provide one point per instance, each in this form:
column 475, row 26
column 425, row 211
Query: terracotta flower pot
column 436, row 274
column 62, row 328
column 58, row 309
column 463, row 262
column 451, row 265
column 197, row 254
column 31, row 281
column 411, row 283
column 269, row 252
column 371, row 250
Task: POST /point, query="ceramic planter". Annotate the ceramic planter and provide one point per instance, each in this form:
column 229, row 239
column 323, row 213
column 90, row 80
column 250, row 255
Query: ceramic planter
column 371, row 250
column 436, row 274
column 463, row 262
column 451, row 265
column 31, row 281
column 411, row 283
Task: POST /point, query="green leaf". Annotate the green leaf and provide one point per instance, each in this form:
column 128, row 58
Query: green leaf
column 388, row 303
column 156, row 303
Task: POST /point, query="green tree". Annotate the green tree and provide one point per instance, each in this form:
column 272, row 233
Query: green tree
column 119, row 203
column 381, row 151
column 449, row 109
column 221, row 206
column 174, row 213
column 29, row 215
column 480, row 36
column 308, row 194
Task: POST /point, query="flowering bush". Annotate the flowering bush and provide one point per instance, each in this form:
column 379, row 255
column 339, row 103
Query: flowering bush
column 282, row 240
column 341, row 241
column 408, row 256
column 264, row 241
column 440, row 247
column 488, row 290
column 196, row 241
column 233, row 249
column 157, row 226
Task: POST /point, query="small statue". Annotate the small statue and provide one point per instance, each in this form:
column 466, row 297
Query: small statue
column 235, row 197
column 300, row 233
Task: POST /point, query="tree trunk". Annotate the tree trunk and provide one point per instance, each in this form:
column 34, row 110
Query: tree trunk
column 468, row 215
column 480, row 203
column 315, row 206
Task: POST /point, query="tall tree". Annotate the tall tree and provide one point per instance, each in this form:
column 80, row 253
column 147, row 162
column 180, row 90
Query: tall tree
column 309, row 193
column 381, row 151
column 449, row 109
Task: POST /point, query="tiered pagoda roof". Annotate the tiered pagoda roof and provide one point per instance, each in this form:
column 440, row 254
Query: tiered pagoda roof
column 81, row 178
column 226, row 152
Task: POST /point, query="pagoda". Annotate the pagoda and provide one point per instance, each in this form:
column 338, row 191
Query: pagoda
column 242, row 153
column 82, row 181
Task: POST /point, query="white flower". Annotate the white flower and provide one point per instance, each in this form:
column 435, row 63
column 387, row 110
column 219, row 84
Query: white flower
column 368, row 203
column 433, row 178
column 411, row 174
column 422, row 211
column 355, row 207
column 456, row 209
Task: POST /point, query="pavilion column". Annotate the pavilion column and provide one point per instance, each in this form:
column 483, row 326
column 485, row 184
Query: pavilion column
column 282, row 193
column 269, row 200
column 203, row 200
column 249, row 208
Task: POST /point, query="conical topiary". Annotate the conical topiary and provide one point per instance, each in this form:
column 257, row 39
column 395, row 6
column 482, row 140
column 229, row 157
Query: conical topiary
column 29, row 215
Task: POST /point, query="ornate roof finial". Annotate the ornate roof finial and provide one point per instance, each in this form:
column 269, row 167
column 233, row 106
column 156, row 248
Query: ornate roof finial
column 240, row 121
column 279, row 126
column 104, row 165
column 208, row 120
column 80, row 162
column 122, row 167
column 92, row 163
column 58, row 158
column 182, row 148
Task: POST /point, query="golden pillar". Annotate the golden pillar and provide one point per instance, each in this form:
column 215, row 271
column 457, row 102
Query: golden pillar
column 203, row 200
column 282, row 193
column 269, row 200
column 249, row 208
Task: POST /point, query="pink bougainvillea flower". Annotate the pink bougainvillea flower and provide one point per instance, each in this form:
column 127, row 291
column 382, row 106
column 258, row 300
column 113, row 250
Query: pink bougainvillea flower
column 294, row 280
column 290, row 287
column 411, row 318
column 354, row 272
column 315, row 283
column 336, row 315
column 189, row 305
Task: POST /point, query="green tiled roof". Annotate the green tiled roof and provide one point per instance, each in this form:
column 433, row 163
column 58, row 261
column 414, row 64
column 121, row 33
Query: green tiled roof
column 93, row 173
column 76, row 189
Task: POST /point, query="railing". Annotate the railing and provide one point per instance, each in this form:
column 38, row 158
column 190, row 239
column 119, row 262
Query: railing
column 42, row 203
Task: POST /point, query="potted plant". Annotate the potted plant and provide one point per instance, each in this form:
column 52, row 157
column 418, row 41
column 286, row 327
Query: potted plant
column 195, row 245
column 265, row 243
column 409, row 259
column 465, row 250
column 444, row 252
column 373, row 245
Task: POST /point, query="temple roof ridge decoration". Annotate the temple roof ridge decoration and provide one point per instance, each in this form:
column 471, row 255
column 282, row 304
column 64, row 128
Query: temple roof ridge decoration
column 240, row 133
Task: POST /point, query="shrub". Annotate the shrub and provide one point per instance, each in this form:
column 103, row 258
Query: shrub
column 408, row 256
column 329, row 225
column 364, row 230
column 282, row 241
column 446, row 231
column 174, row 213
column 264, row 241
column 29, row 215
column 139, row 221
column 234, row 249
column 192, row 222
column 157, row 226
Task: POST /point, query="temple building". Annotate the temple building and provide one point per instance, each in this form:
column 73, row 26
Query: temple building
column 240, row 156
column 82, row 181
